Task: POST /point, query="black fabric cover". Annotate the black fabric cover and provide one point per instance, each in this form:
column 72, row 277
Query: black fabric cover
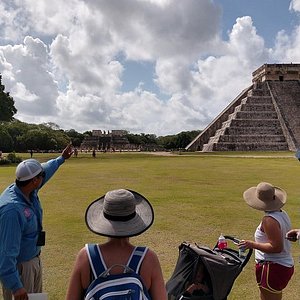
column 223, row 267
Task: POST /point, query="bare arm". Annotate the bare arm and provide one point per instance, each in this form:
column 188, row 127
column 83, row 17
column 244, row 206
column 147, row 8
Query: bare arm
column 275, row 243
column 80, row 277
column 157, row 288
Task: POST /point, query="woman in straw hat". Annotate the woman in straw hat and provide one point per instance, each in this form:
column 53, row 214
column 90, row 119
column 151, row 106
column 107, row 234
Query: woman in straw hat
column 274, row 262
column 118, row 215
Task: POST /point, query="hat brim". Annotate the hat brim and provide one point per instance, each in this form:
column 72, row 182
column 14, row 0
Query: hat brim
column 97, row 223
column 278, row 202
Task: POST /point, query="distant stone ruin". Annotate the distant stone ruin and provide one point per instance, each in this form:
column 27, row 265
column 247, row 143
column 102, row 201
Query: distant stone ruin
column 263, row 117
column 104, row 141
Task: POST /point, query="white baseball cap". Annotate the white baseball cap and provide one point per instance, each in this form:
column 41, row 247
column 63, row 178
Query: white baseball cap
column 28, row 169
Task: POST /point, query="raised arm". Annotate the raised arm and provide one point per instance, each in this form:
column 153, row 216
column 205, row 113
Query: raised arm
column 67, row 152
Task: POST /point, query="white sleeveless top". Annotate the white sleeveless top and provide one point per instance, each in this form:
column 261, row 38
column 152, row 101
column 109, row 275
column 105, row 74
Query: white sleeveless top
column 284, row 257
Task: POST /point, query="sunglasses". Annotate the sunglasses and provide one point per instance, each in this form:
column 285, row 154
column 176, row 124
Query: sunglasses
column 41, row 174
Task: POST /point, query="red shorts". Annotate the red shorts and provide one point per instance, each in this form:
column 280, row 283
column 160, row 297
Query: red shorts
column 273, row 277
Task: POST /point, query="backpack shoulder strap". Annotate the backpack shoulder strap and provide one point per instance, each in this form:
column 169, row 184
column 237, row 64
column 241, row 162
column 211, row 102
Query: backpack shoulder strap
column 97, row 263
column 136, row 258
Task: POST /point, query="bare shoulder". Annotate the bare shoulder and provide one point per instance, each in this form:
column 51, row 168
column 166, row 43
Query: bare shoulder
column 151, row 256
column 269, row 220
column 151, row 261
column 82, row 253
column 270, row 225
column 82, row 257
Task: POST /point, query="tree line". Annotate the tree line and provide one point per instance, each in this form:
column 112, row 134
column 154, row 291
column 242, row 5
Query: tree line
column 20, row 136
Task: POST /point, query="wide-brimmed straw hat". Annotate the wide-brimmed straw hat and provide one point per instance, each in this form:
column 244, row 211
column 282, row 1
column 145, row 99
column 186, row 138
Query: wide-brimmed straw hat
column 265, row 197
column 119, row 213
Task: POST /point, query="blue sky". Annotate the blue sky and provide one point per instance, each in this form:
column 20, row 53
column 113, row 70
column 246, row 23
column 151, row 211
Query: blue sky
column 151, row 66
column 269, row 16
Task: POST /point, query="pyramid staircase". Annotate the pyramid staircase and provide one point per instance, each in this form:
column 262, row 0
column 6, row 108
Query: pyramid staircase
column 254, row 125
column 263, row 117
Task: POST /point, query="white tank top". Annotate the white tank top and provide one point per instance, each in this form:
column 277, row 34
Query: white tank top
column 284, row 257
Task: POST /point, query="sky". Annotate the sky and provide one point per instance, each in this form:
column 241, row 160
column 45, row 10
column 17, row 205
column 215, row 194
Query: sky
column 146, row 66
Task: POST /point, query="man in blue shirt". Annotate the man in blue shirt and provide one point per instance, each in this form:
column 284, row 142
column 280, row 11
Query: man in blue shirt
column 21, row 231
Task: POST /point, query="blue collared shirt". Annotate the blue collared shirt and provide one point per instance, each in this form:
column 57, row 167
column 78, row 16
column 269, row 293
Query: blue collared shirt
column 20, row 224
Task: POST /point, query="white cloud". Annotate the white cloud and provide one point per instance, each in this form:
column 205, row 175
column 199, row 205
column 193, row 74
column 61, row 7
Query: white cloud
column 30, row 81
column 295, row 5
column 12, row 22
column 63, row 61
column 288, row 46
column 245, row 43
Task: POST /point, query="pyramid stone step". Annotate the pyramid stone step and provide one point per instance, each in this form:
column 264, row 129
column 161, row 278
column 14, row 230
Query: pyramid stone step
column 249, row 147
column 232, row 130
column 254, row 115
column 257, row 107
column 252, row 138
column 259, row 100
column 258, row 92
column 268, row 123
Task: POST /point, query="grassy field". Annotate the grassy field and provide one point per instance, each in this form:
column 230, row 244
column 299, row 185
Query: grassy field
column 195, row 198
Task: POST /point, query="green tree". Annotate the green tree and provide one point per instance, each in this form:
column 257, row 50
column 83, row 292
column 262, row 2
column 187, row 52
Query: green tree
column 134, row 139
column 87, row 133
column 51, row 125
column 75, row 137
column 167, row 142
column 6, row 141
column 177, row 141
column 7, row 104
column 42, row 138
column 16, row 129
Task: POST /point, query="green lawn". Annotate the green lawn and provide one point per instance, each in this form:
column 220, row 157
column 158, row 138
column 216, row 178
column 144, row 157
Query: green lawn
column 195, row 198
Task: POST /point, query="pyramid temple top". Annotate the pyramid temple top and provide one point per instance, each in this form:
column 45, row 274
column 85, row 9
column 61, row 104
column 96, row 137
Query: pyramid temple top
column 279, row 72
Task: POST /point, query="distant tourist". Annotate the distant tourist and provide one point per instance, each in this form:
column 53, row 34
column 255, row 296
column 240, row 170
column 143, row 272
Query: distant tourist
column 94, row 153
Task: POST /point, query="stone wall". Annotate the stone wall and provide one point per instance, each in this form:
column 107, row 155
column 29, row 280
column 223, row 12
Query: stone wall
column 276, row 72
column 287, row 97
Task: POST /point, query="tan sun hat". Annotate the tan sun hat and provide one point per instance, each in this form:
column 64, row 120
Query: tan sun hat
column 119, row 213
column 265, row 197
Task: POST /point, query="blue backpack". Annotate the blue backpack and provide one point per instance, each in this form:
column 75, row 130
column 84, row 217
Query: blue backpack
column 125, row 286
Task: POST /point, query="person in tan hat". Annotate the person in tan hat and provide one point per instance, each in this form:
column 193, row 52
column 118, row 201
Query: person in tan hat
column 118, row 215
column 274, row 262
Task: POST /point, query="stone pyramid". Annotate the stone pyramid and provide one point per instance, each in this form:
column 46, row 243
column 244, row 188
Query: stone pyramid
column 263, row 117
